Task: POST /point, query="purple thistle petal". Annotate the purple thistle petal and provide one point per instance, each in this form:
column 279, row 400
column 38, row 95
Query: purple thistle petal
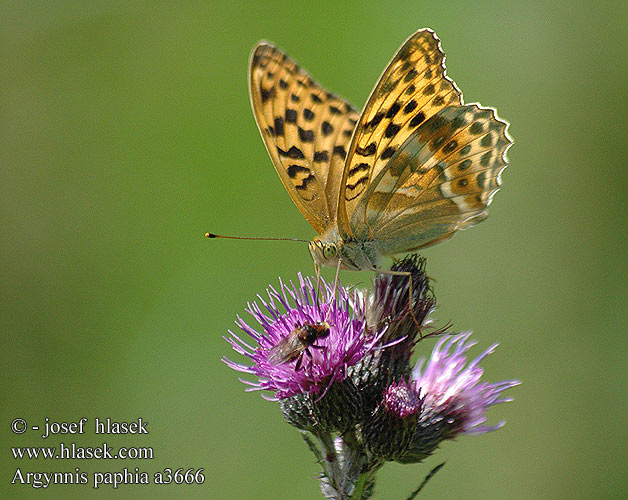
column 451, row 386
column 298, row 304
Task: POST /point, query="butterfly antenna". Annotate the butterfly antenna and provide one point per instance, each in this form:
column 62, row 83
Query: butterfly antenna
column 212, row 235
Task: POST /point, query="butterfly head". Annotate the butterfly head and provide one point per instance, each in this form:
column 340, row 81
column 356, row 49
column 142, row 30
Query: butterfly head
column 324, row 253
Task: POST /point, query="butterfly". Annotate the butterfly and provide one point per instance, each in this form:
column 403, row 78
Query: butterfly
column 415, row 166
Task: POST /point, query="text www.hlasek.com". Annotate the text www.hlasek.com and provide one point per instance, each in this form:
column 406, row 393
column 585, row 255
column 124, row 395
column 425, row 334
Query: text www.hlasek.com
column 74, row 452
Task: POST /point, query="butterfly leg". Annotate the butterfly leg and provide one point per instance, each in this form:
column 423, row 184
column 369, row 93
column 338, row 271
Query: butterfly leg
column 317, row 271
column 410, row 297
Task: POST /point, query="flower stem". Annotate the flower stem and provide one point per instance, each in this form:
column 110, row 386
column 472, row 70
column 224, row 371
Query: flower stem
column 332, row 475
column 347, row 475
column 365, row 485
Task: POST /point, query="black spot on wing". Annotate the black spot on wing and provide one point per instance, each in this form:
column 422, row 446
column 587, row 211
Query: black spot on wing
column 458, row 122
column 391, row 130
column 362, row 180
column 294, row 170
column 439, row 100
column 340, row 151
column 410, row 106
column 326, row 128
column 294, row 153
column 463, row 165
column 291, row 115
column 394, row 109
column 306, row 135
column 321, row 156
column 308, row 114
column 279, row 130
column 376, row 120
column 360, row 167
column 267, row 94
column 450, row 146
column 481, row 178
column 388, row 86
column 418, row 119
column 405, row 53
column 305, row 182
column 388, row 152
column 368, row 150
column 410, row 75
column 486, row 158
column 476, row 128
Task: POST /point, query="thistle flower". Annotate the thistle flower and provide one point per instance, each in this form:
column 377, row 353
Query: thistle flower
column 312, row 372
column 389, row 431
column 454, row 399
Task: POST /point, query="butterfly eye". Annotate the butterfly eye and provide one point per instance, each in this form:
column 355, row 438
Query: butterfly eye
column 329, row 251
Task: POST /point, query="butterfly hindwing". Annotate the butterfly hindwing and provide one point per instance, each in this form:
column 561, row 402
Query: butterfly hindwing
column 441, row 180
column 411, row 90
column 306, row 130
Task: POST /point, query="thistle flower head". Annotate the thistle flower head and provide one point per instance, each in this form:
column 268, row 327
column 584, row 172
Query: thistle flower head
column 288, row 357
column 400, row 400
column 454, row 399
column 452, row 387
column 389, row 430
column 390, row 300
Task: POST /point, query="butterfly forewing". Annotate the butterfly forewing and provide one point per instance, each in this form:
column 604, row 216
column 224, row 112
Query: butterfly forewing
column 412, row 89
column 306, row 131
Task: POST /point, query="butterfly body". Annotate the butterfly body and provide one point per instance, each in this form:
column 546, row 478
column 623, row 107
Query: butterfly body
column 353, row 254
column 415, row 166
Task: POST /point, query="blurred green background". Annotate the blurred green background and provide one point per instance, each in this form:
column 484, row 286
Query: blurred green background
column 126, row 133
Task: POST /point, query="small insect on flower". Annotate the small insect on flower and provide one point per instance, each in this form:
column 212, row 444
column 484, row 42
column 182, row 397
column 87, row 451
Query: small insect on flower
column 298, row 342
